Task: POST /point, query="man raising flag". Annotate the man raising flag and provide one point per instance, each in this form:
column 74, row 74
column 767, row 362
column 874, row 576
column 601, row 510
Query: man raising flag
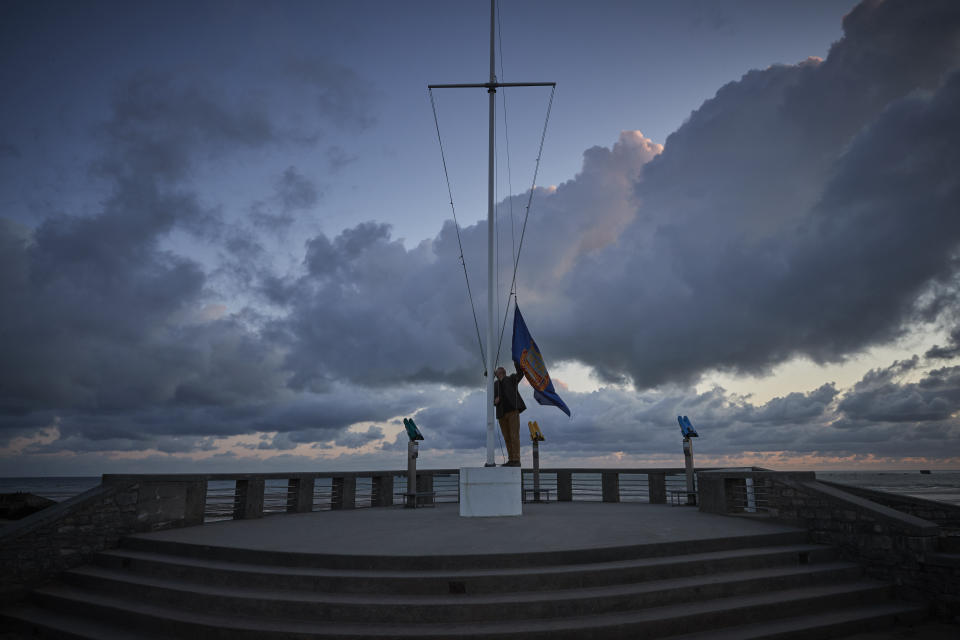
column 510, row 405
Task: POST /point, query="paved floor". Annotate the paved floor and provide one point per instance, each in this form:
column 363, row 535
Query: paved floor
column 441, row 530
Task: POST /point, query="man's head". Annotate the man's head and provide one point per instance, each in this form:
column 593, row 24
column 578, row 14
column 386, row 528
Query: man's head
column 500, row 373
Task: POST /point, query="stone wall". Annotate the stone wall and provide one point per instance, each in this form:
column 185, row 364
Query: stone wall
column 63, row 536
column 942, row 513
column 68, row 534
column 891, row 545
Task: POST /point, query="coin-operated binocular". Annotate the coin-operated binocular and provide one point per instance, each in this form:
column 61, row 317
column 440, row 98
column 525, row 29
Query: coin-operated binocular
column 535, row 434
column 536, row 437
column 686, row 428
column 413, row 452
column 412, row 431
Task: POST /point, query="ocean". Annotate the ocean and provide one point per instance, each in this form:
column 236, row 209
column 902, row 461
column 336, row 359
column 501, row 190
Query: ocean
column 58, row 489
column 943, row 486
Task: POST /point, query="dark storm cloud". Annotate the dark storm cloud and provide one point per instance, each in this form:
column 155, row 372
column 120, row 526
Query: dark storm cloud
column 804, row 210
column 337, row 92
column 763, row 231
column 192, row 423
column 323, row 439
column 639, row 423
column 296, row 191
column 117, row 340
column 794, row 408
column 92, row 300
column 294, row 195
column 352, row 248
column 879, row 397
column 375, row 313
column 889, row 50
column 159, row 126
column 451, row 421
column 263, row 218
column 371, row 311
column 766, row 229
column 355, row 440
column 880, row 414
column 644, row 423
column 280, row 442
column 947, row 351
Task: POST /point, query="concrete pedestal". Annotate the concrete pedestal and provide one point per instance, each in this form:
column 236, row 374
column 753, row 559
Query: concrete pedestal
column 490, row 491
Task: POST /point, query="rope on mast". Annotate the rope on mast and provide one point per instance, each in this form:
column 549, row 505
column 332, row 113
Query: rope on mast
column 506, row 138
column 436, row 122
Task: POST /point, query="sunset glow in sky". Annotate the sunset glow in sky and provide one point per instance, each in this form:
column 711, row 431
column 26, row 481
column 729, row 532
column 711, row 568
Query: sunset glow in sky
column 226, row 242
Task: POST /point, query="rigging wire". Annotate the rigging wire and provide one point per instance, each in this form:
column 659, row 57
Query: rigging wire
column 513, row 245
column 516, row 249
column 436, row 122
column 526, row 217
column 506, row 138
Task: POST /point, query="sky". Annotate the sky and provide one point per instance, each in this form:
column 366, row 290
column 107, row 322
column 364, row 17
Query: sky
column 227, row 242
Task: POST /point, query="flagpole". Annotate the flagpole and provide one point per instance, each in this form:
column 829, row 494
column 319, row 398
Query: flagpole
column 491, row 87
column 491, row 223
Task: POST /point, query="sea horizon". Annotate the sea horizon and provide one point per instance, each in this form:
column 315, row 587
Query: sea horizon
column 846, row 470
column 942, row 485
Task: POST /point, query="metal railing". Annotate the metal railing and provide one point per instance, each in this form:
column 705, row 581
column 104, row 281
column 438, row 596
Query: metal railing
column 323, row 495
column 747, row 490
column 748, row 495
column 242, row 496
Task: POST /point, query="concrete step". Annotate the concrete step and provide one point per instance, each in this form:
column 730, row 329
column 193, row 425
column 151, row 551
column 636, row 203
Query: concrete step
column 827, row 624
column 32, row 621
column 508, row 605
column 949, row 541
column 464, row 581
column 656, row 622
column 456, row 562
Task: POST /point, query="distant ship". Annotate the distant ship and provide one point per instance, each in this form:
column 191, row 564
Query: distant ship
column 925, row 472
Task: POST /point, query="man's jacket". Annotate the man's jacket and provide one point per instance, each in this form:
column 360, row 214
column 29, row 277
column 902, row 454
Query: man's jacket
column 506, row 390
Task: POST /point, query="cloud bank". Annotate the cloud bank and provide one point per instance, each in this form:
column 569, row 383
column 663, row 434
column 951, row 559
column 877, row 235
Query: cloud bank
column 806, row 210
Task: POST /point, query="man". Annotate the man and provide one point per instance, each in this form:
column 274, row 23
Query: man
column 509, row 404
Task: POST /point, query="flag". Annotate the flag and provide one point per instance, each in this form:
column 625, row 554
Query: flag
column 527, row 353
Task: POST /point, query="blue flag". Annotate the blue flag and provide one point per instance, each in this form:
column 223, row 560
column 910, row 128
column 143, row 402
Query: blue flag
column 527, row 353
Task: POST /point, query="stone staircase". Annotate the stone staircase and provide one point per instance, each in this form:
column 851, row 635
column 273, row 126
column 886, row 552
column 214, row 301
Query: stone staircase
column 761, row 586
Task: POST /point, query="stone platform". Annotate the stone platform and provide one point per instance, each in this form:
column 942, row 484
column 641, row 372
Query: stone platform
column 561, row 571
column 441, row 531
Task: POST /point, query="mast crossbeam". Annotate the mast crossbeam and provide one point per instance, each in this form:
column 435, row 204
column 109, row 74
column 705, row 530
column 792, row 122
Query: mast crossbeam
column 491, row 85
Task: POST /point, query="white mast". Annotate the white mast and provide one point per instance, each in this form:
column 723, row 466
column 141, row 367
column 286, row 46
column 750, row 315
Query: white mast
column 491, row 88
column 491, row 232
